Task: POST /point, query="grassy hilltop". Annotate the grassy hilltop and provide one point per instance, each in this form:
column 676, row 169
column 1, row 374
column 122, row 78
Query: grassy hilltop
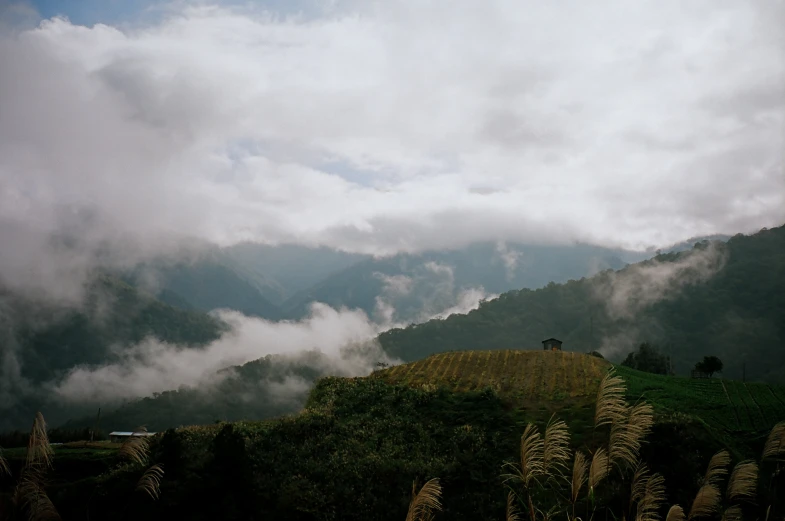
column 566, row 383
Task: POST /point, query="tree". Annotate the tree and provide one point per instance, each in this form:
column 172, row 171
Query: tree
column 709, row 365
column 648, row 358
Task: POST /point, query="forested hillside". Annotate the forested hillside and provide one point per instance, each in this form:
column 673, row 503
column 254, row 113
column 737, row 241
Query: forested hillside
column 737, row 313
column 41, row 340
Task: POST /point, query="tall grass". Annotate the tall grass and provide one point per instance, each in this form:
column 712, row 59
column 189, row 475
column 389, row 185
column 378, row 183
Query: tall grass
column 426, row 502
column 29, row 499
column 543, row 460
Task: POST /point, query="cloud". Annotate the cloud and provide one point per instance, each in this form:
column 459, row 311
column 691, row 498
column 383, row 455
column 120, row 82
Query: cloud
column 153, row 366
column 467, row 300
column 456, row 122
column 395, row 284
column 345, row 340
column 629, row 291
column 427, row 290
column 509, row 258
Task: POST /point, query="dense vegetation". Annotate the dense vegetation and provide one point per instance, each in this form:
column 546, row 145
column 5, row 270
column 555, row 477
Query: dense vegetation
column 114, row 313
column 648, row 358
column 355, row 450
column 738, row 314
column 568, row 382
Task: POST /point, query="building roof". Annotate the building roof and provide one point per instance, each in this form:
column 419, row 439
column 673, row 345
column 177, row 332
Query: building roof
column 549, row 339
column 129, row 433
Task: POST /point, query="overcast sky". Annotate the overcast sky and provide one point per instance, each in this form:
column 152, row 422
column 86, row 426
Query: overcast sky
column 383, row 126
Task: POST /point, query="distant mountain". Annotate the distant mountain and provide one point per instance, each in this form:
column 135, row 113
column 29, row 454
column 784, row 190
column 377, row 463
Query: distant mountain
column 723, row 299
column 208, row 282
column 292, row 267
column 280, row 282
column 41, row 341
column 418, row 286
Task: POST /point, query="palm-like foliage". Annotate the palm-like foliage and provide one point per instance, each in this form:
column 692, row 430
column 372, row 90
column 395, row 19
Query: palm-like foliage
column 743, row 482
column 675, row 513
column 775, row 443
column 426, row 502
column 150, row 482
column 39, row 450
column 556, row 447
column 653, row 496
column 4, row 468
column 31, row 498
column 628, row 431
column 580, row 468
column 598, row 469
column 611, row 405
column 29, row 495
column 717, row 468
column 733, row 513
column 531, row 464
column 707, row 502
column 136, row 448
column 512, row 513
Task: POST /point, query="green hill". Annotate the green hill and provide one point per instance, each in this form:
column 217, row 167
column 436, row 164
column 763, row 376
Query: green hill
column 558, row 381
column 737, row 314
column 360, row 442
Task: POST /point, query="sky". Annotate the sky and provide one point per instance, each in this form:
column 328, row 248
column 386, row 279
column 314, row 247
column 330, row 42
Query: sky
column 389, row 126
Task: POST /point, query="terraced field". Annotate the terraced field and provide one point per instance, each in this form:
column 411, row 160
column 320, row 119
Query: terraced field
column 730, row 405
column 556, row 380
column 526, row 376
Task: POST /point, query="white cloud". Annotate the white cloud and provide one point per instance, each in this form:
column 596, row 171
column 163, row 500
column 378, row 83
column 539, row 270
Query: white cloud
column 467, row 300
column 629, row 291
column 346, row 338
column 428, row 291
column 509, row 258
column 627, row 124
column 152, row 366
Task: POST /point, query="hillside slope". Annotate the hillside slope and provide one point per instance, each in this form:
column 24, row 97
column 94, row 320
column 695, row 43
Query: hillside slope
column 42, row 341
column 559, row 381
column 527, row 377
column 209, row 282
column 674, row 300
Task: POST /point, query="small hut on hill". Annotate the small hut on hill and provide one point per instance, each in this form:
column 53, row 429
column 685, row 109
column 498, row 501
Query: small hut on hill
column 551, row 344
